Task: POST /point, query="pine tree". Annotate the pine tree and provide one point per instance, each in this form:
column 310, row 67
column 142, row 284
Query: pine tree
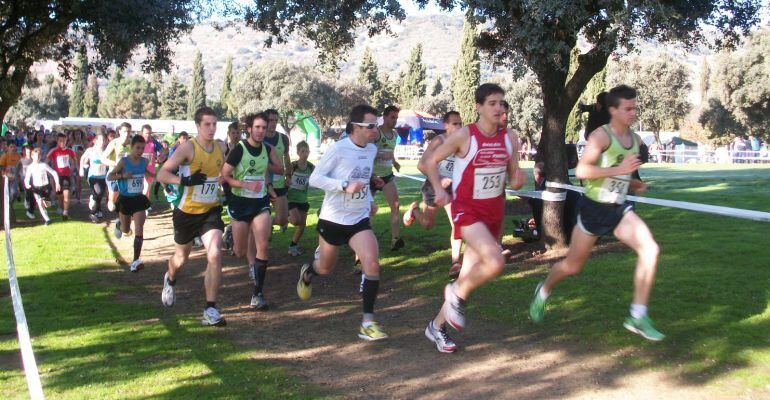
column 91, row 100
column 197, row 92
column 705, row 76
column 466, row 74
column 111, row 93
column 368, row 76
column 78, row 89
column 438, row 87
column 173, row 100
column 414, row 82
column 224, row 93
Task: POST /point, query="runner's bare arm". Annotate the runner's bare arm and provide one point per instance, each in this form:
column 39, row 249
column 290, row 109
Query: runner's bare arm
column 84, row 160
column 107, row 150
column 432, row 145
column 182, row 155
column 516, row 177
column 287, row 156
column 597, row 143
column 116, row 172
column 458, row 143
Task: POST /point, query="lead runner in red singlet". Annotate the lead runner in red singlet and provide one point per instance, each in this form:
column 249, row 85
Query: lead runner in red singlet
column 486, row 157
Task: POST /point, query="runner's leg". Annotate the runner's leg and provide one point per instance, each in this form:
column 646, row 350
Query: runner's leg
column 212, row 242
column 634, row 232
column 580, row 248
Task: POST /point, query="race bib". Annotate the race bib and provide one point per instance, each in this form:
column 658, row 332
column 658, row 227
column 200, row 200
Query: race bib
column 614, row 189
column 383, row 162
column 488, row 183
column 357, row 200
column 299, row 182
column 446, row 168
column 135, row 184
column 63, row 161
column 207, row 192
column 260, row 187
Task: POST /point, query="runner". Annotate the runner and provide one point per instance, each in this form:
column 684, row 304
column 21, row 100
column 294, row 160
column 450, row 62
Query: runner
column 10, row 166
column 233, row 138
column 130, row 174
column 249, row 209
column 344, row 173
column 62, row 160
column 36, row 182
column 198, row 210
column 97, row 174
column 150, row 153
column 383, row 168
column 609, row 159
column 116, row 149
column 280, row 144
column 426, row 216
column 485, row 156
column 29, row 198
column 297, row 196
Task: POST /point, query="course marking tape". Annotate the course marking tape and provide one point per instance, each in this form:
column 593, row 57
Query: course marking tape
column 25, row 343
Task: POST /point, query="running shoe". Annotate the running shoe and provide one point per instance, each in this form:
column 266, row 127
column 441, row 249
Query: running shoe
column 30, row 215
column 99, row 215
column 168, row 295
column 282, row 228
column 65, row 217
column 537, row 307
column 47, row 222
column 197, row 242
column 258, row 302
column 212, row 317
column 137, row 265
column 93, row 217
column 371, row 332
column 304, row 290
column 455, row 310
column 91, row 203
column 643, row 327
column 409, row 214
column 454, row 270
column 443, row 342
column 116, row 230
column 294, row 251
column 26, row 203
column 398, row 244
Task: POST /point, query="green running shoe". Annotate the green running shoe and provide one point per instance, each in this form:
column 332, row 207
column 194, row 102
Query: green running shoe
column 643, row 327
column 537, row 307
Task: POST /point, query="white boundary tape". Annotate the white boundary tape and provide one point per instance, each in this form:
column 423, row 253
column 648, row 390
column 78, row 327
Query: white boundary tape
column 684, row 205
column 25, row 344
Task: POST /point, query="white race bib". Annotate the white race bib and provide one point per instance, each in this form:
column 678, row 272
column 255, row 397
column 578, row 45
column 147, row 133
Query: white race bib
column 63, row 161
column 614, row 189
column 135, row 184
column 207, row 192
column 384, row 162
column 488, row 183
column 251, row 194
column 359, row 199
column 446, row 167
column 299, row 182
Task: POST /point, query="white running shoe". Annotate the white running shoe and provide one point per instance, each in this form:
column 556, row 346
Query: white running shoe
column 443, row 342
column 212, row 317
column 91, row 203
column 258, row 302
column 168, row 295
column 30, row 215
column 137, row 265
column 93, row 217
column 116, row 230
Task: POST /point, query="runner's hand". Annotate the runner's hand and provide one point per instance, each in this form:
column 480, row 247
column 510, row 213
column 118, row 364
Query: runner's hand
column 378, row 182
column 354, row 187
column 446, row 182
column 271, row 193
column 519, row 179
column 629, row 164
column 373, row 210
column 58, row 188
column 637, row 186
column 195, row 179
column 442, row 197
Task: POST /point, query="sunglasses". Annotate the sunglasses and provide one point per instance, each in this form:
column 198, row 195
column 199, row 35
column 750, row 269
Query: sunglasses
column 365, row 125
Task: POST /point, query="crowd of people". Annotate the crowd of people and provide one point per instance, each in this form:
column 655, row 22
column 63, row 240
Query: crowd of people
column 251, row 177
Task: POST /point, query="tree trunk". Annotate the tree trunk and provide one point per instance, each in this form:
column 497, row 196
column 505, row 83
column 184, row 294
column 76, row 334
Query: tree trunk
column 551, row 151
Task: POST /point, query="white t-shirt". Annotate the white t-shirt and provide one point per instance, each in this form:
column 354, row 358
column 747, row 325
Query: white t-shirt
column 345, row 161
column 37, row 174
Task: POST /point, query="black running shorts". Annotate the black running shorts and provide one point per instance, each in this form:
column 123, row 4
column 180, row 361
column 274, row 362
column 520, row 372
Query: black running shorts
column 188, row 226
column 600, row 219
column 128, row 205
column 338, row 234
column 244, row 209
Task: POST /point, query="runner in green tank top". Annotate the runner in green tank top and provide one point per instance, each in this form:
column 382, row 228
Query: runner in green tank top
column 280, row 144
column 383, row 168
column 115, row 150
column 610, row 157
column 298, row 187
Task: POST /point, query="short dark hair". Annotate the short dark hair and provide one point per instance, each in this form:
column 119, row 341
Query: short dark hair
column 146, row 126
column 125, row 125
column 199, row 113
column 358, row 112
column 137, row 139
column 449, row 114
column 249, row 119
column 601, row 98
column 303, row 145
column 620, row 92
column 233, row 125
column 486, row 90
column 183, row 133
column 506, row 105
column 60, row 136
column 390, row 109
column 271, row 111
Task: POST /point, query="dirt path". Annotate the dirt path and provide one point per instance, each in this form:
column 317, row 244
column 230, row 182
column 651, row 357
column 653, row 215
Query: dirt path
column 316, row 339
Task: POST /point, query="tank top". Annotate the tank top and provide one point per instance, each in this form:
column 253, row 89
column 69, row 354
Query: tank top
column 612, row 189
column 96, row 169
column 446, row 166
column 299, row 183
column 385, row 146
column 200, row 199
column 251, row 169
column 478, row 178
column 279, row 180
column 132, row 187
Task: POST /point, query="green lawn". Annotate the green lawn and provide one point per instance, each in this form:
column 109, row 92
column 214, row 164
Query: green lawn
column 711, row 299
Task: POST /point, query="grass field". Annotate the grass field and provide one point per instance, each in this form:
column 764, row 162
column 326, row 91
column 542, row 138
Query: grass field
column 711, row 299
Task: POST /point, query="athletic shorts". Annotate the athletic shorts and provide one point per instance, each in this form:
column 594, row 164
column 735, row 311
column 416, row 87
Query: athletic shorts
column 429, row 195
column 244, row 209
column 461, row 219
column 281, row 192
column 304, row 207
column 338, row 234
column 43, row 191
column 128, row 205
column 385, row 179
column 64, row 183
column 188, row 226
column 599, row 219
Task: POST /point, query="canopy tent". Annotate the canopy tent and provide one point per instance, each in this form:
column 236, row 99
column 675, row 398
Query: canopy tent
column 679, row 141
column 411, row 125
